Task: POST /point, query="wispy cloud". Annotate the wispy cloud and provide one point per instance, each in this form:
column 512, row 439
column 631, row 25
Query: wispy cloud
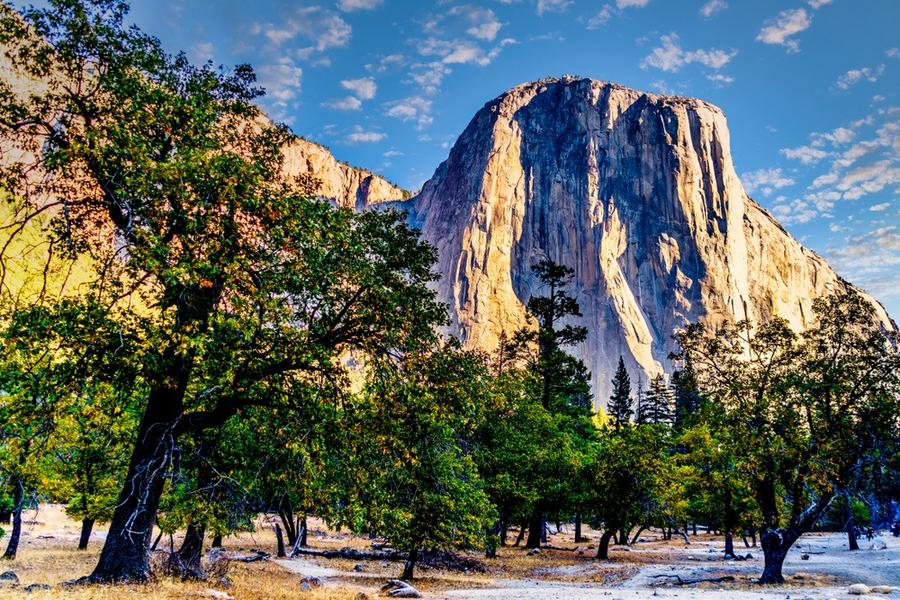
column 351, row 5
column 854, row 76
column 712, row 7
column 631, row 3
column 545, row 6
column 321, row 28
column 282, row 81
column 346, row 103
column 765, row 181
column 601, row 17
column 363, row 88
column 670, row 56
column 361, row 136
column 780, row 29
column 414, row 108
column 483, row 23
column 462, row 51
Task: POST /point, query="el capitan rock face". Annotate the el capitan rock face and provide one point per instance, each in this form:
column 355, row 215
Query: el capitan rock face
column 638, row 194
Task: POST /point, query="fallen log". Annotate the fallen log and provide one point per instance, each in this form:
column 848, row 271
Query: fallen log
column 691, row 581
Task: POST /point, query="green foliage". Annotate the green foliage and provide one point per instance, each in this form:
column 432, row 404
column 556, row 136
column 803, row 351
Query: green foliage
column 416, row 481
column 620, row 403
column 656, row 405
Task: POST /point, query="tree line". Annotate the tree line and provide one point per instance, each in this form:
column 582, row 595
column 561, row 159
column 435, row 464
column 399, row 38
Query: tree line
column 240, row 346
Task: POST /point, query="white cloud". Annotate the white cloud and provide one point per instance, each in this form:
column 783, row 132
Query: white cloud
column 361, row 136
column 720, row 78
column 351, row 5
column 201, row 52
column 712, row 7
column 868, row 179
column 363, row 88
column 880, row 207
column 632, row 3
column 796, row 211
column 892, row 52
column 413, row 108
column 765, row 181
column 462, row 51
column 854, row 76
column 324, row 29
column 392, row 153
column 281, row 80
column 385, row 63
column 786, row 24
column 429, row 76
column 870, row 260
column 553, row 6
column 671, row 57
column 346, row 103
column 483, row 21
column 817, row 4
column 805, row 154
column 601, row 17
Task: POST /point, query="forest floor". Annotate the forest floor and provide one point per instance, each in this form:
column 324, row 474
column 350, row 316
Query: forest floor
column 47, row 555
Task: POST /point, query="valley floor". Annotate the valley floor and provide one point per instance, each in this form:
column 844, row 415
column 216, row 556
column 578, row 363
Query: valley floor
column 647, row 569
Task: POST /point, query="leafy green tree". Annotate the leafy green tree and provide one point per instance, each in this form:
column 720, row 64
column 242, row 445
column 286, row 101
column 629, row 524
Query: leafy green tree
column 805, row 412
column 417, row 483
column 630, row 470
column 93, row 434
column 620, row 403
column 716, row 487
column 238, row 284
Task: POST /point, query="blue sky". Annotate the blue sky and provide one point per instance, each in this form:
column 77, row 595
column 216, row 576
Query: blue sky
column 810, row 87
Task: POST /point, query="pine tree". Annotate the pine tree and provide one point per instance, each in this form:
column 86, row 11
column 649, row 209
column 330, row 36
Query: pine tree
column 687, row 394
column 656, row 405
column 620, row 410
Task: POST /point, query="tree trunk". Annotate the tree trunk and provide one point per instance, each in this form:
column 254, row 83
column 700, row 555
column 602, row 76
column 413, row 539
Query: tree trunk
column 18, row 501
column 125, row 555
column 410, row 565
column 279, row 539
column 503, row 526
column 603, row 550
column 851, row 535
column 5, row 516
column 191, row 551
column 753, row 537
column 775, row 545
column 522, row 529
column 638, row 534
column 578, row 537
column 217, row 541
column 156, row 541
column 304, row 530
column 535, row 530
column 729, row 544
column 746, row 543
column 851, row 524
column 86, row 526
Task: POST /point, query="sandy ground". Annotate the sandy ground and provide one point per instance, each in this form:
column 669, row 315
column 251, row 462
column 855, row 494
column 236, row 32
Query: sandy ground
column 645, row 570
column 636, row 573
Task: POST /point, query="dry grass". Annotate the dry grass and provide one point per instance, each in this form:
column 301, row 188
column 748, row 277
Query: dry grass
column 48, row 555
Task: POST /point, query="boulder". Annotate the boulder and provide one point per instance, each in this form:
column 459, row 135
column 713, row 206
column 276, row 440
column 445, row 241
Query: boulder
column 858, row 589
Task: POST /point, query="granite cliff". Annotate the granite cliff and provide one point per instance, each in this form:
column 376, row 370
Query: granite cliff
column 638, row 194
column 348, row 186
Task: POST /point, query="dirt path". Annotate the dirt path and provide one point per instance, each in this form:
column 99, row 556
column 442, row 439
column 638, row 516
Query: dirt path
column 829, row 569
